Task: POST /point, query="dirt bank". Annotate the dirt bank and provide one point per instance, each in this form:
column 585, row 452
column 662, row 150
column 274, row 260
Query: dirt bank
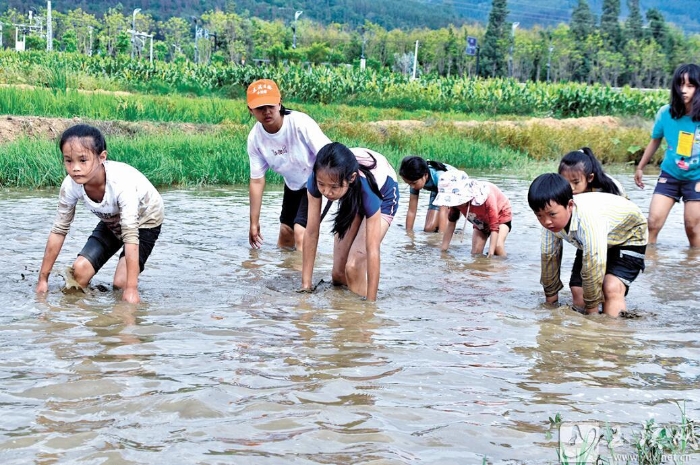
column 14, row 127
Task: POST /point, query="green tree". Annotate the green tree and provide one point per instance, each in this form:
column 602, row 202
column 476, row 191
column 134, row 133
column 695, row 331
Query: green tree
column 176, row 32
column 582, row 26
column 658, row 29
column 610, row 25
column 633, row 25
column 70, row 41
column 493, row 52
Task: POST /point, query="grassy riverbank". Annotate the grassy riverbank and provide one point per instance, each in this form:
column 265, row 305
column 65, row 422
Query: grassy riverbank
column 175, row 139
column 221, row 158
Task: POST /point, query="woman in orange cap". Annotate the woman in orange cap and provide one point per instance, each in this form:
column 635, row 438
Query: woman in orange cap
column 287, row 142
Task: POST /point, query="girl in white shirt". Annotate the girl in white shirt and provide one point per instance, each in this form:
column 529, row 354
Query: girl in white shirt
column 129, row 207
column 287, row 142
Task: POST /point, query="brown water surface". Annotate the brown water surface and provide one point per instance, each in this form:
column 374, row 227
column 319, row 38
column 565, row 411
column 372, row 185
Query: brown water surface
column 224, row 362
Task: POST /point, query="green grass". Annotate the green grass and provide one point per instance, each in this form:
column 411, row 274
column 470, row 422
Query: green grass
column 222, row 158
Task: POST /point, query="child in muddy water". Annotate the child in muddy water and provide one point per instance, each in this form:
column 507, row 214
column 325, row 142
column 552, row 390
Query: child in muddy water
column 482, row 203
column 420, row 174
column 364, row 184
column 610, row 231
column 585, row 174
column 130, row 210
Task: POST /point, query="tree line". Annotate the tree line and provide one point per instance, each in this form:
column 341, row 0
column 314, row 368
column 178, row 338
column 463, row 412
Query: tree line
column 640, row 51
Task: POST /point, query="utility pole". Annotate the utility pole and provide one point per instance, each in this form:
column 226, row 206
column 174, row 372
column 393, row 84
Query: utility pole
column 512, row 42
column 197, row 35
column 363, row 62
column 133, row 31
column 294, row 28
column 90, row 49
column 415, row 61
column 549, row 60
column 49, row 28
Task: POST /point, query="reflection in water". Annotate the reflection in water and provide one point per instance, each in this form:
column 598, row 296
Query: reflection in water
column 224, row 361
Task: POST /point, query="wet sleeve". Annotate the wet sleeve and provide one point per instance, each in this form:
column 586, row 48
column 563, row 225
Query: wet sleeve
column 258, row 164
column 551, row 252
column 593, row 234
column 128, row 201
column 67, row 200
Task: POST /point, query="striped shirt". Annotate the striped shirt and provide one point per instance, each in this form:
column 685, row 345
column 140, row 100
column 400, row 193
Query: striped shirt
column 598, row 221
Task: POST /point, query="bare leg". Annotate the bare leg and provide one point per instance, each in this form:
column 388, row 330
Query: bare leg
column 691, row 218
column 614, row 293
column 432, row 221
column 120, row 274
column 286, row 239
column 478, row 242
column 341, row 250
column 356, row 268
column 83, row 271
column 503, row 231
column 577, row 296
column 659, row 209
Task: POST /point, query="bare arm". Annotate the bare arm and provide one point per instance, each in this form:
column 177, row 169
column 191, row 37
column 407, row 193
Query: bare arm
column 313, row 225
column 447, row 236
column 131, row 290
column 649, row 152
column 53, row 248
column 493, row 242
column 442, row 218
column 412, row 209
column 255, row 193
column 374, row 240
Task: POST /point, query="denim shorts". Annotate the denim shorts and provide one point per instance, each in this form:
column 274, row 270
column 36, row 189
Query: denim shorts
column 295, row 207
column 102, row 244
column 624, row 262
column 677, row 189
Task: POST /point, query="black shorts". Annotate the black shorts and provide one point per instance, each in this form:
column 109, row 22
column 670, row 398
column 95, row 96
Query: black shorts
column 624, row 262
column 102, row 244
column 295, row 207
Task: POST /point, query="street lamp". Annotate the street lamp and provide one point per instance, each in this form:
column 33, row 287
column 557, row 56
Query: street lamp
column 294, row 28
column 133, row 31
column 510, row 61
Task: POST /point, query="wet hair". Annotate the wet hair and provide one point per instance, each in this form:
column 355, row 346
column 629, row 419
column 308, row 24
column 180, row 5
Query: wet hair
column 414, row 167
column 549, row 188
column 97, row 143
column 584, row 161
column 340, row 163
column 692, row 71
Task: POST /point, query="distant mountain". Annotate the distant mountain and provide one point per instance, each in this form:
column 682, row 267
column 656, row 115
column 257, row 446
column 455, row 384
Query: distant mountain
column 390, row 14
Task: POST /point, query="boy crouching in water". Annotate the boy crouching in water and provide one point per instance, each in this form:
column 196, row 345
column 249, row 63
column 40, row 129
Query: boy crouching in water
column 609, row 229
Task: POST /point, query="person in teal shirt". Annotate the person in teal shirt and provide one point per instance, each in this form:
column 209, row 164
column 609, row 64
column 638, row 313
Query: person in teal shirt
column 679, row 124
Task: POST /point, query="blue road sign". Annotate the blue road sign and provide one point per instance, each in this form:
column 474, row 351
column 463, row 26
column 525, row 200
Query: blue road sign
column 471, row 46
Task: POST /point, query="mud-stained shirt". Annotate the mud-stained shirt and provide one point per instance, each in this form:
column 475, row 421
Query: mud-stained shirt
column 130, row 202
column 290, row 152
column 598, row 221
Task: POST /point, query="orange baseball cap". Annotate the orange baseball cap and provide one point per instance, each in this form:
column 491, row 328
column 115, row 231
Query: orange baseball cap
column 263, row 92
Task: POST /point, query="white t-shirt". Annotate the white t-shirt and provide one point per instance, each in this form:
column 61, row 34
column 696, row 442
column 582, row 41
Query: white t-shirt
column 291, row 151
column 130, row 202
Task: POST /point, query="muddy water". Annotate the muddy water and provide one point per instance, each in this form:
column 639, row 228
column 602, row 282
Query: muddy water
column 224, row 363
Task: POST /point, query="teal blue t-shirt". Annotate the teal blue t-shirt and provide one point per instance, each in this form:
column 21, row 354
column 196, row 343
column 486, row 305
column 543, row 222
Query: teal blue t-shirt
column 682, row 157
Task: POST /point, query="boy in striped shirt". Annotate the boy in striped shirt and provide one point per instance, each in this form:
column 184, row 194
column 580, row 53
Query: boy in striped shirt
column 609, row 229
